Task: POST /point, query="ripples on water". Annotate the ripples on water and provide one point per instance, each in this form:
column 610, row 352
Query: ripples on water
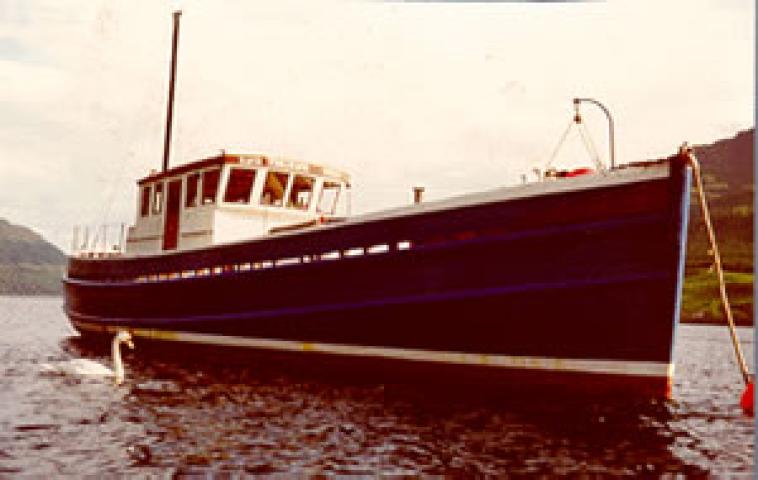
column 188, row 417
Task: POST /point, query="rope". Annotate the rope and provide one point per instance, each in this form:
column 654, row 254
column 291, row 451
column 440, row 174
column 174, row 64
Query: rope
column 687, row 152
column 586, row 139
column 590, row 146
column 559, row 145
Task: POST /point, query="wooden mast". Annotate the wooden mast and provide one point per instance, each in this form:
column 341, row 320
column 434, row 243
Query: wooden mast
column 170, row 113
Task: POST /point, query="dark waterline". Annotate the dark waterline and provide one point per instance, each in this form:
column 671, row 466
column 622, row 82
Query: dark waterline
column 180, row 415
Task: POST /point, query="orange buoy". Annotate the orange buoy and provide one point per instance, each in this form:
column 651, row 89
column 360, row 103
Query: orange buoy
column 748, row 396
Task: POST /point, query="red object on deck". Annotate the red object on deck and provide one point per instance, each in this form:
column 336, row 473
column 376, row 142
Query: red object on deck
column 748, row 396
column 579, row 171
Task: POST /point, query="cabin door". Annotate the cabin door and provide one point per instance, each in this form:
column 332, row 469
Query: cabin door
column 171, row 226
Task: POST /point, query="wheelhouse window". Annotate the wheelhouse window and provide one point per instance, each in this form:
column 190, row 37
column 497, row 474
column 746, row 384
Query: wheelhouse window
column 327, row 202
column 210, row 186
column 301, row 193
column 273, row 190
column 158, row 198
column 239, row 186
column 144, row 208
column 192, row 184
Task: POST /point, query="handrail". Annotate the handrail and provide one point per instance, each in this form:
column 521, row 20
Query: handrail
column 93, row 240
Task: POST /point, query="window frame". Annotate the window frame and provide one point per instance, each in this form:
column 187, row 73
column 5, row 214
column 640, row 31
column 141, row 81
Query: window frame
column 197, row 176
column 290, row 202
column 157, row 198
column 146, row 195
column 250, row 186
column 335, row 201
column 285, row 189
column 203, row 196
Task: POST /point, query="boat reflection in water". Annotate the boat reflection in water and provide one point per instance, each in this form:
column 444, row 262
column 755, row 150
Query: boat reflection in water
column 207, row 413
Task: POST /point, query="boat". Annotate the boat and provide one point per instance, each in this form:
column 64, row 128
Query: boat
column 573, row 279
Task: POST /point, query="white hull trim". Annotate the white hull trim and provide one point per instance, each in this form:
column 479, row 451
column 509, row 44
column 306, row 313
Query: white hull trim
column 570, row 365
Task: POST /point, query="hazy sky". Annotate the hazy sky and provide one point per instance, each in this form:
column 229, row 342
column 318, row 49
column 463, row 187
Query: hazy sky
column 453, row 96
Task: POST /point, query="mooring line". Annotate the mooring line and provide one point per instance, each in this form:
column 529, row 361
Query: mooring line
column 687, row 152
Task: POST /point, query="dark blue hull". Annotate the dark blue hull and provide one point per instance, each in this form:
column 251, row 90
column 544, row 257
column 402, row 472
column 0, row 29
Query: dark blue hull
column 578, row 283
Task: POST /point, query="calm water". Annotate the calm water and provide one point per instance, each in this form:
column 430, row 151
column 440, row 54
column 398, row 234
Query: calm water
column 174, row 418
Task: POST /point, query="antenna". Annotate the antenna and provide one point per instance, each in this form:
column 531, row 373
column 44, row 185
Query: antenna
column 170, row 113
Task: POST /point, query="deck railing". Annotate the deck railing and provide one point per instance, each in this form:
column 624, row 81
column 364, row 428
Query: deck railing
column 104, row 240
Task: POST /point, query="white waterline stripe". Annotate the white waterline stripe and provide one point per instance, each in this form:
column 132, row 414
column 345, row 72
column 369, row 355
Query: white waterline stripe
column 612, row 367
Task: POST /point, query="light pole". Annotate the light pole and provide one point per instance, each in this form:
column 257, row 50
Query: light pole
column 611, row 141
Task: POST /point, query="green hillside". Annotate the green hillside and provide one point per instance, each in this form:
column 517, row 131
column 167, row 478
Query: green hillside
column 729, row 180
column 29, row 265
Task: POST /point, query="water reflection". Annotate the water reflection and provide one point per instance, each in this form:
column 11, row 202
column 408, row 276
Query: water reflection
column 197, row 415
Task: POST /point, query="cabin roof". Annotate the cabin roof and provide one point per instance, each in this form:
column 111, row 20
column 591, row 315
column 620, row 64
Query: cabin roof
column 252, row 160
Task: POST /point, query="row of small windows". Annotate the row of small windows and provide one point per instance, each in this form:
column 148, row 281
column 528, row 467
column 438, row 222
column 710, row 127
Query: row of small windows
column 280, row 262
column 202, row 189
